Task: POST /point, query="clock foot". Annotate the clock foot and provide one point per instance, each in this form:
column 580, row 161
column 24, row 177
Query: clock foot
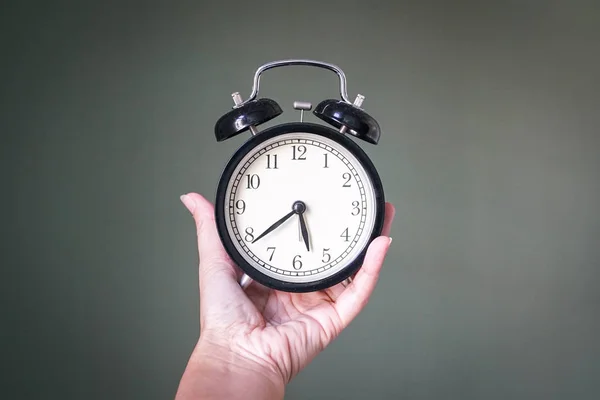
column 245, row 281
column 346, row 282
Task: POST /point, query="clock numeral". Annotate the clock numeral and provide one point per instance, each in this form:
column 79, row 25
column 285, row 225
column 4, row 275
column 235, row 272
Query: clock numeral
column 347, row 177
column 301, row 150
column 345, row 235
column 272, row 158
column 249, row 234
column 325, row 166
column 297, row 262
column 355, row 209
column 252, row 181
column 272, row 249
column 240, row 205
column 326, row 256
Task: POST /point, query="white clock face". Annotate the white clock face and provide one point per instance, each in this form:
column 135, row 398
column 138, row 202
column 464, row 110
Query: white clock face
column 339, row 207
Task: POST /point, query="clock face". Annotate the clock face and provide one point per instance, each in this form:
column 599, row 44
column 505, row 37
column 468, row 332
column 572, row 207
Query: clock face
column 299, row 208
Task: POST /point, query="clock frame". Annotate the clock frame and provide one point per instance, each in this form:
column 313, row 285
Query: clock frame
column 222, row 205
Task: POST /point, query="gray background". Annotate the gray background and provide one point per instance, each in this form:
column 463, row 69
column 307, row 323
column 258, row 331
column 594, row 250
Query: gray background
column 490, row 152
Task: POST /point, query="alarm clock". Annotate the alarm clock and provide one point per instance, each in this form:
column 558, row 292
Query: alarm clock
column 298, row 203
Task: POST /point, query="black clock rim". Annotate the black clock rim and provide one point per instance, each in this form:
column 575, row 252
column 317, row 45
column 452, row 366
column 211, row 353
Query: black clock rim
column 252, row 143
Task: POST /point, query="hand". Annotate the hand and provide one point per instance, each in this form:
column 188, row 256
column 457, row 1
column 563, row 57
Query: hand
column 253, row 342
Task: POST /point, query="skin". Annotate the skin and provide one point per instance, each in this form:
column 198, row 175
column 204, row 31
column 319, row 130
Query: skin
column 253, row 342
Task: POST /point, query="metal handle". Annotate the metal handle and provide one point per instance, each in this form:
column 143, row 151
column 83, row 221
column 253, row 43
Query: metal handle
column 282, row 63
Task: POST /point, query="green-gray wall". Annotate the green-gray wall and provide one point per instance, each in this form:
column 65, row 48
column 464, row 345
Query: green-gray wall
column 490, row 152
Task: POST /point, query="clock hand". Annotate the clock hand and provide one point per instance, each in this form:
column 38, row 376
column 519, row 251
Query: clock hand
column 297, row 208
column 275, row 225
column 304, row 230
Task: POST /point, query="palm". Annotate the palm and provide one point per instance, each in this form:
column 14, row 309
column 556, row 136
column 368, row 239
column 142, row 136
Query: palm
column 278, row 308
column 285, row 329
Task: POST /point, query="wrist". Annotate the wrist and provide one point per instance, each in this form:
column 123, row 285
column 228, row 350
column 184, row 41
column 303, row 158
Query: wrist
column 216, row 371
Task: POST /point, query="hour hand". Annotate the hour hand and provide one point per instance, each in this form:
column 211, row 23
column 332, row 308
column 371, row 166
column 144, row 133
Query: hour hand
column 304, row 230
column 274, row 226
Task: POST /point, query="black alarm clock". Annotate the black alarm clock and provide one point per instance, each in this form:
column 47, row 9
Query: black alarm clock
column 298, row 204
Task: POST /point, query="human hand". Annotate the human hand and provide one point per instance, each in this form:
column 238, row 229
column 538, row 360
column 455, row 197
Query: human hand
column 254, row 341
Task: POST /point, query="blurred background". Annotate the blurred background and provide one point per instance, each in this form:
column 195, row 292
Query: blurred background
column 490, row 153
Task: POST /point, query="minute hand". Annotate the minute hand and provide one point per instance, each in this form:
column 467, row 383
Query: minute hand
column 274, row 226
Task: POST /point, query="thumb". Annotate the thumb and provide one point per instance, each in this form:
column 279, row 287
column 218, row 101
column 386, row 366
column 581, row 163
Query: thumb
column 214, row 262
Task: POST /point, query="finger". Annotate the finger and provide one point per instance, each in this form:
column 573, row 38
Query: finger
column 390, row 213
column 355, row 297
column 214, row 261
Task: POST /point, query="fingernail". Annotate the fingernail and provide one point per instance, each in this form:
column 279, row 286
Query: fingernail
column 390, row 242
column 188, row 202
